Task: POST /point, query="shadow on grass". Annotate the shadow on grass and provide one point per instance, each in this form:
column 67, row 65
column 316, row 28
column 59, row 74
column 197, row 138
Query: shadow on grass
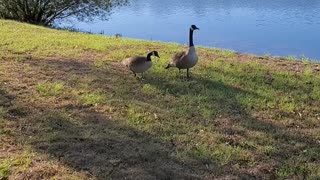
column 87, row 140
column 291, row 147
column 95, row 142
column 92, row 139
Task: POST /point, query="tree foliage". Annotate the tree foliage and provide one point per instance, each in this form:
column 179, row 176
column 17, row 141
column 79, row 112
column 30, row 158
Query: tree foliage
column 45, row 12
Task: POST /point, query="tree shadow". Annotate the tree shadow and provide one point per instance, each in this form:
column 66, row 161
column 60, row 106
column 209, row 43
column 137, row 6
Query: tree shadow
column 88, row 139
column 92, row 141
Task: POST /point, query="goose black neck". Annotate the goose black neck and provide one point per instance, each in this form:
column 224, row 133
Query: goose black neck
column 149, row 56
column 191, row 38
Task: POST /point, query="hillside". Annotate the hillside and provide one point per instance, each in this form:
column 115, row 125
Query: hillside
column 69, row 110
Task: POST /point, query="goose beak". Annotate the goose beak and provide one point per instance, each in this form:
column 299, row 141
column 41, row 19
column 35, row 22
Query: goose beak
column 158, row 56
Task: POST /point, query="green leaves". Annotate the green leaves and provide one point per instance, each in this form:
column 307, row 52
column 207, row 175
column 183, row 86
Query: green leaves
column 44, row 12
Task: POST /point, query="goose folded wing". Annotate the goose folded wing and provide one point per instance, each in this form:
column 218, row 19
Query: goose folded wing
column 137, row 60
column 178, row 56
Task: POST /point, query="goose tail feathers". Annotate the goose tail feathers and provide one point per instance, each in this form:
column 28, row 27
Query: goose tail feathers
column 169, row 66
column 125, row 62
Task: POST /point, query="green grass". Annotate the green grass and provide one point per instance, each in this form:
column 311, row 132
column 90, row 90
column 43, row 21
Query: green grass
column 291, row 58
column 2, row 112
column 92, row 98
column 49, row 89
column 65, row 96
column 20, row 162
column 4, row 170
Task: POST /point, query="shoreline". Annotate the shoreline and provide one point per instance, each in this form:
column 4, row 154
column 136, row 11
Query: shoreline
column 288, row 57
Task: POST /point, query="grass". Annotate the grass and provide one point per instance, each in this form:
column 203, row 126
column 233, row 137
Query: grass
column 18, row 163
column 69, row 110
column 50, row 89
column 92, row 98
column 291, row 58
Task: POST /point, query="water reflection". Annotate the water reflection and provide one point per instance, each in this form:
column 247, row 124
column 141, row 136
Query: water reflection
column 278, row 27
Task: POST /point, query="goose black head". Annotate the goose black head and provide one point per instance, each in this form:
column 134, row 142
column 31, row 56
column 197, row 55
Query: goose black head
column 194, row 27
column 155, row 53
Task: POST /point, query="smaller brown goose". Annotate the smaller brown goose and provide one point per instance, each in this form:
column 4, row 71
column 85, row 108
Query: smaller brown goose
column 139, row 64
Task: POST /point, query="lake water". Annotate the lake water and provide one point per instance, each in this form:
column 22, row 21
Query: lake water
column 275, row 27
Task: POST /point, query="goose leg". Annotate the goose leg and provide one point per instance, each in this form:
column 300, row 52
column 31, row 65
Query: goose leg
column 188, row 73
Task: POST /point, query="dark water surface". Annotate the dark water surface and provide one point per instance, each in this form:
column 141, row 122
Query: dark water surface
column 275, row 27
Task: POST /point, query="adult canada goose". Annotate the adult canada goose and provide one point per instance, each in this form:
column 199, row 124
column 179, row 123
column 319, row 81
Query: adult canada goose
column 186, row 59
column 140, row 64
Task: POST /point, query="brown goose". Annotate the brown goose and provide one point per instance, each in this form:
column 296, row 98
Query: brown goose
column 140, row 64
column 187, row 59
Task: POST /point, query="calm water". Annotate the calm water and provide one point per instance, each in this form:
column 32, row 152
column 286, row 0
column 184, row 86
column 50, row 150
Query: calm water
column 276, row 27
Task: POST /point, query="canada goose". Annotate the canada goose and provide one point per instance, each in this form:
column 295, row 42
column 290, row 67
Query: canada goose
column 187, row 59
column 139, row 64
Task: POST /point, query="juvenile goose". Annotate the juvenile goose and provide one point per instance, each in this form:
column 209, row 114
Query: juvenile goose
column 140, row 64
column 186, row 59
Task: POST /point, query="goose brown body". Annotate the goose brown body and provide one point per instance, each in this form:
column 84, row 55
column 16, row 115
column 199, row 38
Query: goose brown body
column 185, row 60
column 139, row 64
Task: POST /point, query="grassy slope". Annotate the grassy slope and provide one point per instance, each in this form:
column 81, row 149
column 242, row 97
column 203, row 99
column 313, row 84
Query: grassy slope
column 69, row 110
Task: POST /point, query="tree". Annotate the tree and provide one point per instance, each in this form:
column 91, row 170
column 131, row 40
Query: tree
column 45, row 12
